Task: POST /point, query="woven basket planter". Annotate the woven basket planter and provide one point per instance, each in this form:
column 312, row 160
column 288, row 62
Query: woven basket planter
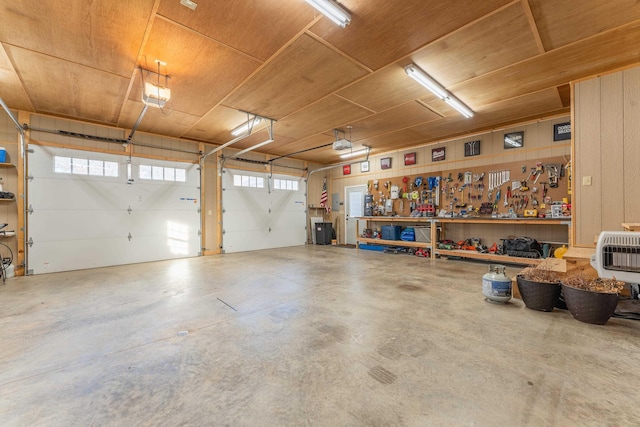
column 588, row 306
column 539, row 296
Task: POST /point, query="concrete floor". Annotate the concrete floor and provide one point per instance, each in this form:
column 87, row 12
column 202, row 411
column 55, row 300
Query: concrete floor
column 325, row 336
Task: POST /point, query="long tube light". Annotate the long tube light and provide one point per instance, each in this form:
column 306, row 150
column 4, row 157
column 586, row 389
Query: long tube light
column 436, row 88
column 246, row 126
column 354, row 153
column 332, row 11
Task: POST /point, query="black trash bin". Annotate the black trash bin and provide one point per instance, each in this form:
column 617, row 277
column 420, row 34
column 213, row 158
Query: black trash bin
column 324, row 232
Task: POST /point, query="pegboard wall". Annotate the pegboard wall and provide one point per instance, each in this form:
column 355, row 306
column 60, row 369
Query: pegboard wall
column 517, row 188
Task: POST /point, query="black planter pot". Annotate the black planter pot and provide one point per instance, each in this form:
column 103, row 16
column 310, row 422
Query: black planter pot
column 588, row 306
column 539, row 296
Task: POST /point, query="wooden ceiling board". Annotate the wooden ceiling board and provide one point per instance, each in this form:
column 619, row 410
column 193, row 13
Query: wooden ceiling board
column 382, row 32
column 303, row 144
column 69, row 89
column 391, row 141
column 202, row 71
column 496, row 41
column 546, row 101
column 402, row 116
column 608, row 51
column 304, row 72
column 567, row 21
column 11, row 90
column 106, row 35
column 272, row 22
column 385, row 89
column 329, row 113
column 216, row 125
column 161, row 122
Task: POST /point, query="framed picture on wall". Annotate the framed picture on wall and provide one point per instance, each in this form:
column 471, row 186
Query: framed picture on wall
column 514, row 140
column 562, row 131
column 346, row 170
column 385, row 163
column 438, row 154
column 471, row 148
column 410, row 159
column 364, row 166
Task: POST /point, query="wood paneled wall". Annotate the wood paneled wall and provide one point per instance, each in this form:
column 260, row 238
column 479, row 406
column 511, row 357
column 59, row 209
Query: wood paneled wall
column 606, row 153
column 538, row 144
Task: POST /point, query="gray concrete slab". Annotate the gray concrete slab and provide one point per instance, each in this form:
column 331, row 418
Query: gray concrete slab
column 310, row 336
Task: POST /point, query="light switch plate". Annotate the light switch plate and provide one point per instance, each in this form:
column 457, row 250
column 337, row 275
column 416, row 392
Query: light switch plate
column 586, row 180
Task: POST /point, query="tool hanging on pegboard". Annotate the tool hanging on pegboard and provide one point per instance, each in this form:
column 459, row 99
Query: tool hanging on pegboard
column 553, row 170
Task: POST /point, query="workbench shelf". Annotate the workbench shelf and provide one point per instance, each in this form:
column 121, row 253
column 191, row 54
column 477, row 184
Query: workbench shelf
column 442, row 224
column 408, row 221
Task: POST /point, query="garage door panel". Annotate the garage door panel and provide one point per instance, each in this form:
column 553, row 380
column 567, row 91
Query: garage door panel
column 250, row 200
column 182, row 223
column 56, row 256
column 243, row 241
column 260, row 218
column 63, row 225
column 44, row 194
column 158, row 197
column 242, row 221
column 151, row 248
column 82, row 221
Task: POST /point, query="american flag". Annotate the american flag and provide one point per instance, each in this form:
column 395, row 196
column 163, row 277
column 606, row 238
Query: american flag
column 323, row 196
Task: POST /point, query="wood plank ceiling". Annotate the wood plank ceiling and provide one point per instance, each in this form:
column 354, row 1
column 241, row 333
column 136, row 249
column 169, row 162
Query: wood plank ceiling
column 507, row 60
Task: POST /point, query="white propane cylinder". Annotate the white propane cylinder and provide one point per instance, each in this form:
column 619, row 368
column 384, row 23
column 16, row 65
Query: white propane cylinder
column 496, row 285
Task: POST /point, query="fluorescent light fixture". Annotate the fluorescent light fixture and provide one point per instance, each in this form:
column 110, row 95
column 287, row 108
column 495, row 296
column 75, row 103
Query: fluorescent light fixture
column 332, row 11
column 190, row 4
column 155, row 96
column 244, row 128
column 246, row 150
column 354, row 153
column 436, row 88
column 459, row 106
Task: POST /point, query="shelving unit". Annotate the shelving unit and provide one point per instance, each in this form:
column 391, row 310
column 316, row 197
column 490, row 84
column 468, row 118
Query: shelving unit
column 398, row 220
column 443, row 223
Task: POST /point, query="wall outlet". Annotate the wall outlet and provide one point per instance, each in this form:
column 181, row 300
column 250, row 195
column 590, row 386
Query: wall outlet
column 586, row 180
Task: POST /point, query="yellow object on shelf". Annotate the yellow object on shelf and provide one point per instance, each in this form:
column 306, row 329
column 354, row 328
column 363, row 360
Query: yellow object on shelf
column 558, row 253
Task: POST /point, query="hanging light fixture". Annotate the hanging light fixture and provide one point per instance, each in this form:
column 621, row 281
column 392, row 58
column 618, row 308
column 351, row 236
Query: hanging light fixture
column 155, row 92
column 332, row 10
column 436, row 88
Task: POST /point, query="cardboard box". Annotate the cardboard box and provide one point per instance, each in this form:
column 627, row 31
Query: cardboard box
column 423, row 234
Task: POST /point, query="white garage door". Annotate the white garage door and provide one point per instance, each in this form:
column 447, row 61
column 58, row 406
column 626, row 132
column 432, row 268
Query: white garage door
column 262, row 213
column 85, row 213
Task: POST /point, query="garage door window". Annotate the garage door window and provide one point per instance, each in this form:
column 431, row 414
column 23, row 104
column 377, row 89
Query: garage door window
column 285, row 184
column 159, row 173
column 248, row 181
column 78, row 166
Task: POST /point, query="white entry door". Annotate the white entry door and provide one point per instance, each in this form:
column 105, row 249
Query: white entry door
column 89, row 209
column 354, row 208
column 262, row 212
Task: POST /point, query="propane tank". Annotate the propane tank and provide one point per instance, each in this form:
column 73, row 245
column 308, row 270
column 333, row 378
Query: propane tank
column 496, row 285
